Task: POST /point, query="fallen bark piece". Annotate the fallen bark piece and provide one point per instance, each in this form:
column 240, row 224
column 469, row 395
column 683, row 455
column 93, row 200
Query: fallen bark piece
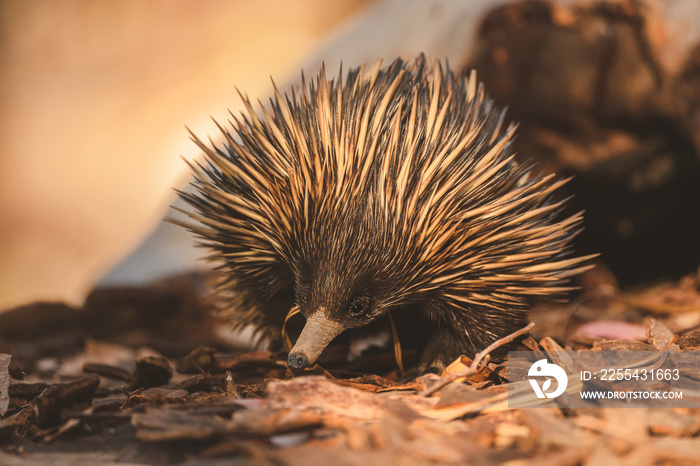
column 660, row 335
column 27, row 391
column 107, row 370
column 371, row 387
column 690, row 341
column 557, row 355
column 47, row 406
column 199, row 383
column 268, row 422
column 151, row 371
column 161, row 425
column 623, row 345
column 5, row 360
column 158, row 394
column 316, row 394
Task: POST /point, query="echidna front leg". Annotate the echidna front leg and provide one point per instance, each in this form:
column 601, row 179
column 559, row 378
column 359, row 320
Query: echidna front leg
column 447, row 340
column 442, row 349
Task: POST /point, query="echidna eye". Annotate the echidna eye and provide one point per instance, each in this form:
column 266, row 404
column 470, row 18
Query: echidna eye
column 302, row 293
column 358, row 308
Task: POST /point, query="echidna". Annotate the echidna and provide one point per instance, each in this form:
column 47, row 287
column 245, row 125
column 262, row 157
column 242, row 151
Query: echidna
column 394, row 189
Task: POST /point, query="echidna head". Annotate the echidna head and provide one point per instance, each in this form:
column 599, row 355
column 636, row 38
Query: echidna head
column 343, row 282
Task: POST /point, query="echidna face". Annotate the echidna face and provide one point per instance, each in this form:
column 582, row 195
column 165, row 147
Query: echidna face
column 328, row 313
column 345, row 276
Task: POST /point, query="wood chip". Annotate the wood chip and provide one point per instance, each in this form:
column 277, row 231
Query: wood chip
column 5, row 360
column 660, row 335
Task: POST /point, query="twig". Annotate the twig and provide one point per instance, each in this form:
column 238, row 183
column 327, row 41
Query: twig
column 474, row 367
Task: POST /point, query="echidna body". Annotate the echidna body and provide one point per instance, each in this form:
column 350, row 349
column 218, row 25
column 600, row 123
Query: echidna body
column 394, row 189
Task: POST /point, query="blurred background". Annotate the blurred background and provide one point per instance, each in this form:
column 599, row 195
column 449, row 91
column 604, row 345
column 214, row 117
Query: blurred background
column 95, row 97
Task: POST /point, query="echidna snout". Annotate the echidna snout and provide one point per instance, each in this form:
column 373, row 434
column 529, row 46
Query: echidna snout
column 297, row 360
column 385, row 190
column 318, row 332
